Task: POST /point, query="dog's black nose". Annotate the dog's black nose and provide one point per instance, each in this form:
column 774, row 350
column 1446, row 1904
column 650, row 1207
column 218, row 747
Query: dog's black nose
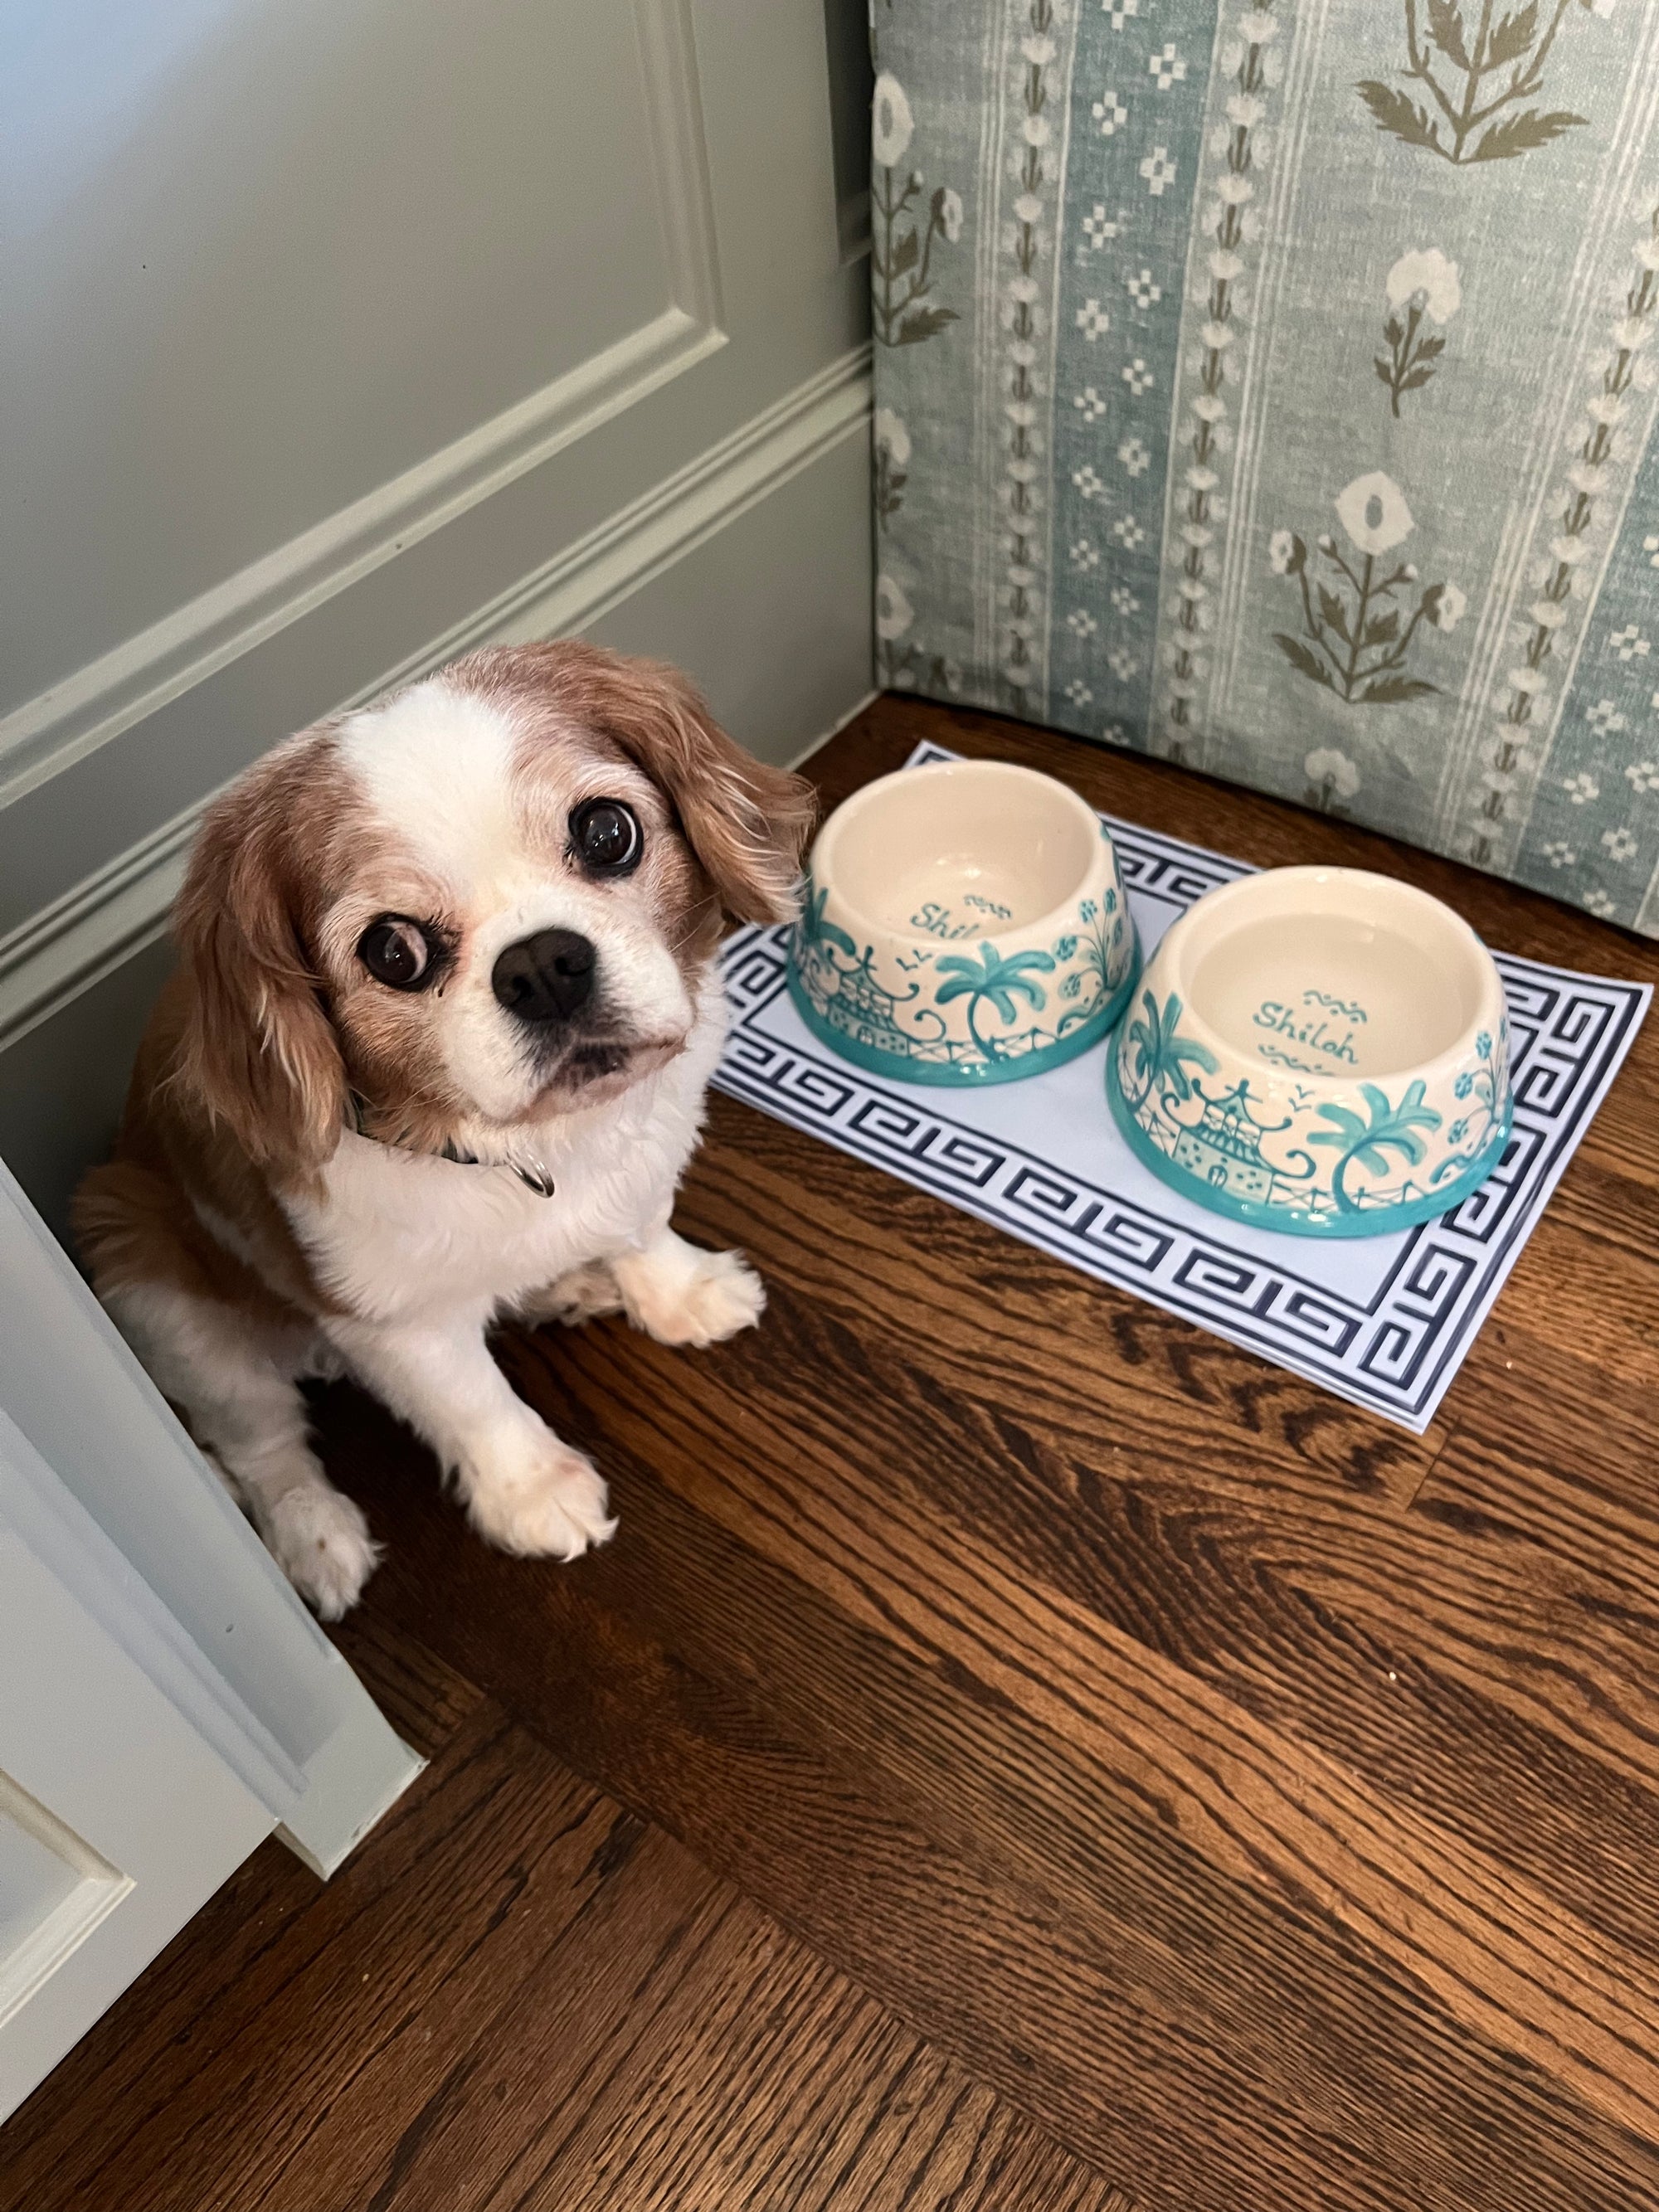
column 546, row 977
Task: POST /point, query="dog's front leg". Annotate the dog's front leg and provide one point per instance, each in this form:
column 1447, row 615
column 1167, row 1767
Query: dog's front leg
column 681, row 1294
column 525, row 1490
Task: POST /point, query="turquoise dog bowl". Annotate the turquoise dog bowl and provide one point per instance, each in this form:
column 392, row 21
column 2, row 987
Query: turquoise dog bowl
column 1319, row 1050
column 963, row 923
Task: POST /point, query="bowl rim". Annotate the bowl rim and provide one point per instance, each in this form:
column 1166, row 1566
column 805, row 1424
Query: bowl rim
column 856, row 803
column 1490, row 1008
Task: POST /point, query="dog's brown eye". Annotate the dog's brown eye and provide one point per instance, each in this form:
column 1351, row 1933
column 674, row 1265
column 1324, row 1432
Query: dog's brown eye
column 607, row 836
column 396, row 953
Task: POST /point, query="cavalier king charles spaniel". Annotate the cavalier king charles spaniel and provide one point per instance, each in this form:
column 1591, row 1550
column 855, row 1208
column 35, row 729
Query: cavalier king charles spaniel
column 435, row 1057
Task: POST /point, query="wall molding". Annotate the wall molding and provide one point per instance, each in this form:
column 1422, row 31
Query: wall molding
column 115, row 913
column 134, row 679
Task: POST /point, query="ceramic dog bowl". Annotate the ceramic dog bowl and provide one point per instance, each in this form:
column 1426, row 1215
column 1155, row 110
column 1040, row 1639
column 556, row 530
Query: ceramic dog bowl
column 1320, row 1050
column 963, row 923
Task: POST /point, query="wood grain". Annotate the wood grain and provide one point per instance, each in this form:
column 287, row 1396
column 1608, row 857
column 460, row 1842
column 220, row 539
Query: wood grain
column 1032, row 1753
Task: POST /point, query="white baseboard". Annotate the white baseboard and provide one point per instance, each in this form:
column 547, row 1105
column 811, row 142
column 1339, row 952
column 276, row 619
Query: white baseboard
column 67, row 947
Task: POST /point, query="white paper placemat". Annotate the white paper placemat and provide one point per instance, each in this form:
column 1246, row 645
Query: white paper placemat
column 1384, row 1320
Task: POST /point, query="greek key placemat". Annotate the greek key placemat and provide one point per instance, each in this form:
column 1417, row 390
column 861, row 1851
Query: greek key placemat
column 1384, row 1320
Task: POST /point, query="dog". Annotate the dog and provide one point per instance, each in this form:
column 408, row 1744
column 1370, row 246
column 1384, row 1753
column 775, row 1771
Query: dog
column 434, row 1057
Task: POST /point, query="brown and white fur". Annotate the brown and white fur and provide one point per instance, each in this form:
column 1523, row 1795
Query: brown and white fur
column 280, row 1205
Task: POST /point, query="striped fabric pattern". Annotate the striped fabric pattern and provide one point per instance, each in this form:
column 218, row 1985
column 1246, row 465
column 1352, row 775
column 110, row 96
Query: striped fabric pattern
column 1272, row 387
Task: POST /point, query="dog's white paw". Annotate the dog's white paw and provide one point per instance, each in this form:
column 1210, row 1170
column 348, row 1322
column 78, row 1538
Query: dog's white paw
column 692, row 1297
column 581, row 1296
column 321, row 1543
column 533, row 1495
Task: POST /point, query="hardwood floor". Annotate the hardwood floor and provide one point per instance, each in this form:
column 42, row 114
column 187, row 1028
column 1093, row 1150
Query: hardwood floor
column 1018, row 1753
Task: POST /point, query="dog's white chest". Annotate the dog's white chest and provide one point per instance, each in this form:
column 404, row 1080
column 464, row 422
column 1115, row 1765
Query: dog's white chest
column 399, row 1235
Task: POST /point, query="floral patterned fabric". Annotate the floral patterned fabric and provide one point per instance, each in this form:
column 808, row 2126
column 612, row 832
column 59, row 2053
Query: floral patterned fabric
column 1272, row 388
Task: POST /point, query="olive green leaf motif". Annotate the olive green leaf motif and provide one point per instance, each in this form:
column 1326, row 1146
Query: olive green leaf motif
column 1162, row 1055
column 996, row 977
column 902, row 247
column 1354, row 642
column 1473, row 75
column 1367, row 1143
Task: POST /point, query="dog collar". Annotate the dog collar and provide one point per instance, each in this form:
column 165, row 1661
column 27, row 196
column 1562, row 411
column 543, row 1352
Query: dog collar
column 536, row 1178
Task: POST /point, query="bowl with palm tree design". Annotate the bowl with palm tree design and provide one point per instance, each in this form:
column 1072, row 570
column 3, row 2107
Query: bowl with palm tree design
column 1320, row 1050
column 963, row 922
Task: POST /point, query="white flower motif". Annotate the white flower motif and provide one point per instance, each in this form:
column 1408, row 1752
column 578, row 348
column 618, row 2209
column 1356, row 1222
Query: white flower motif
column 1373, row 511
column 1548, row 614
column 1084, row 554
column 894, row 613
column 1037, row 50
column 891, row 437
column 1226, row 265
column 1098, row 227
column 1245, row 110
column 1087, row 482
column 1526, row 679
column 1569, row 552
column 1599, row 903
column 947, row 205
column 1448, row 606
column 1167, row 68
column 1560, row 854
column 892, row 126
column 1035, row 130
column 1233, row 191
column 1620, row 844
column 1581, row 789
column 1110, row 111
column 1124, row 601
column 1137, row 376
column 1628, row 643
column 1142, row 290
column 1258, row 29
column 1134, row 457
column 1078, row 692
column 1128, row 532
column 1281, row 551
column 1208, row 408
column 1600, row 7
column 1089, row 403
column 1651, row 547
column 1647, row 251
column 1093, row 321
column 1081, row 622
column 1434, row 277
column 1644, row 775
column 1122, row 662
column 1326, row 765
column 1158, row 170
column 1604, row 717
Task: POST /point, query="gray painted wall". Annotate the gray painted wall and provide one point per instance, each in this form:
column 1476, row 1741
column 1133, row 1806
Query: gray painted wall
column 343, row 334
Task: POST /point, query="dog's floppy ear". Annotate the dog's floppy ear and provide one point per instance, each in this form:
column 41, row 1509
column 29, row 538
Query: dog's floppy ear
column 257, row 1054
column 746, row 823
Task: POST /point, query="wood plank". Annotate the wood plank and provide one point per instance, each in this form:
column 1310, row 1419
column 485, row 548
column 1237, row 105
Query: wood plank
column 768, row 2079
column 1227, row 2044
column 1304, row 1599
column 281, row 1991
column 977, row 1308
column 424, row 1699
column 1507, row 1957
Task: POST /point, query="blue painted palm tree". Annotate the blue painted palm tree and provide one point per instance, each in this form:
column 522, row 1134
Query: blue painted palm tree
column 996, row 978
column 1162, row 1054
column 1390, row 1130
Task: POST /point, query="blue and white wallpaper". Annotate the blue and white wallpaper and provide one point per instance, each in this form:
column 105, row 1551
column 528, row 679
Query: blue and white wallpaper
column 1272, row 387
